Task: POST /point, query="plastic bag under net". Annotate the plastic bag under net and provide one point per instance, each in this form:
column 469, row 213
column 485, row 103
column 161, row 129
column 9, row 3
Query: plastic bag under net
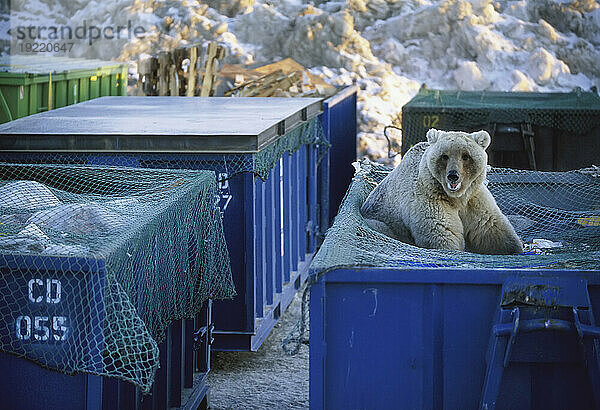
column 96, row 262
column 556, row 214
column 224, row 165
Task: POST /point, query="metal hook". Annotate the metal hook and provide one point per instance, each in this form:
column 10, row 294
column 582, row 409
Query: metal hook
column 390, row 155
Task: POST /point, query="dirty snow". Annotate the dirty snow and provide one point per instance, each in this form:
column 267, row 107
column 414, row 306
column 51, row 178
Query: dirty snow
column 266, row 379
column 387, row 47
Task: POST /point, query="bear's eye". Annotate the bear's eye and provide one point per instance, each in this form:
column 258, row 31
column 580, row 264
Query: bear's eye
column 444, row 157
column 466, row 157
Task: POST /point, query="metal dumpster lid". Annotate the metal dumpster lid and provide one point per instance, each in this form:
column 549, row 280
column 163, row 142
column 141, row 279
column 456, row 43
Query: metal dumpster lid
column 497, row 100
column 160, row 124
column 25, row 64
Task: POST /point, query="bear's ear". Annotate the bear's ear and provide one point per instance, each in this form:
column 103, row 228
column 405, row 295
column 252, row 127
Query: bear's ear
column 482, row 138
column 432, row 135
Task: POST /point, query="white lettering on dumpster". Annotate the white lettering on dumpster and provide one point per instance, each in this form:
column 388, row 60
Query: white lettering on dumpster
column 224, row 197
column 52, row 290
column 32, row 292
column 223, row 181
column 42, row 328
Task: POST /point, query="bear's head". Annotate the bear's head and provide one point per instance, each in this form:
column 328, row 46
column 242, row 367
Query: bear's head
column 457, row 159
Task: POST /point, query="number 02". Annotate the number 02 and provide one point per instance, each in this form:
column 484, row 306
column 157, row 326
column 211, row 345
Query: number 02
column 431, row 121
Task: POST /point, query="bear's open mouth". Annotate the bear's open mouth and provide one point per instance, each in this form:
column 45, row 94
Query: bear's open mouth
column 454, row 186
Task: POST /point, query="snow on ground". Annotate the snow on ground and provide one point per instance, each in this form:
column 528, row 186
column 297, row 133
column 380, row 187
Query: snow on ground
column 387, row 47
column 266, row 379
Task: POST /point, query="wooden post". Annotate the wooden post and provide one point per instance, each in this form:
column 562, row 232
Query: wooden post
column 150, row 85
column 179, row 55
column 191, row 83
column 173, row 83
column 163, row 73
column 213, row 54
column 144, row 82
column 208, row 70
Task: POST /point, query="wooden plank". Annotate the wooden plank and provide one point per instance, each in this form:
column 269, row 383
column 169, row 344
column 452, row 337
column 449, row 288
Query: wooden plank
column 163, row 73
column 276, row 83
column 230, row 71
column 191, row 83
column 213, row 55
column 282, row 83
column 245, row 85
column 152, row 80
column 288, row 66
column 173, row 81
column 208, row 70
column 144, row 71
column 255, row 87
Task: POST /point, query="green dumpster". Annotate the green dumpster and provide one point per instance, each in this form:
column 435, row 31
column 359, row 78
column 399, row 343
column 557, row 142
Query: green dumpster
column 25, row 83
column 555, row 131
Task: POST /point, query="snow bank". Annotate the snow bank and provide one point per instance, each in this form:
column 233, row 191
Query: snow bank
column 387, row 47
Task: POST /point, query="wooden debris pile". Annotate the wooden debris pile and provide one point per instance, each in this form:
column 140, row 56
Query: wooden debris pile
column 276, row 84
column 178, row 72
column 285, row 78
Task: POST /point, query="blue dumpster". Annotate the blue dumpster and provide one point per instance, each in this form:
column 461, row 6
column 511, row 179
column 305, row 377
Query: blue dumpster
column 396, row 326
column 419, row 338
column 339, row 125
column 180, row 381
column 264, row 152
column 106, row 278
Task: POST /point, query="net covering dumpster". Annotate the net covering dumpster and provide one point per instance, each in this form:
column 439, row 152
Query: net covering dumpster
column 393, row 323
column 560, row 211
column 96, row 262
column 271, row 222
column 542, row 131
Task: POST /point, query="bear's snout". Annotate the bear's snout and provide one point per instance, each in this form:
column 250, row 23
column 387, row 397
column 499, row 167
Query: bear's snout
column 453, row 180
column 452, row 176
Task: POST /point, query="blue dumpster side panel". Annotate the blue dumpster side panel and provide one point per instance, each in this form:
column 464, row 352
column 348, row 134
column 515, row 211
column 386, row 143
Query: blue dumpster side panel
column 380, row 337
column 339, row 124
column 44, row 388
column 51, row 389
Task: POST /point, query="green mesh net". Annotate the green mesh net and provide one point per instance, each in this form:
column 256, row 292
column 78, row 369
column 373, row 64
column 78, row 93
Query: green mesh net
column 96, row 262
column 309, row 133
column 224, row 165
column 576, row 112
column 556, row 214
